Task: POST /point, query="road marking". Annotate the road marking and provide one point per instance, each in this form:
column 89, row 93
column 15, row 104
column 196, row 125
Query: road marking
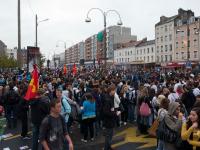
column 130, row 136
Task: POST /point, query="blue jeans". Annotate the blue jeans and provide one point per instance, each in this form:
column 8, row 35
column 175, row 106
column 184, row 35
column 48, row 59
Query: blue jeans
column 160, row 145
column 35, row 138
column 108, row 133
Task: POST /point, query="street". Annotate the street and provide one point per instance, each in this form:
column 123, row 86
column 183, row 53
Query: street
column 124, row 138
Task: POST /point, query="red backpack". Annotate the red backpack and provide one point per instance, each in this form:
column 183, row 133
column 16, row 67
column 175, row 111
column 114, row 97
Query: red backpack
column 145, row 110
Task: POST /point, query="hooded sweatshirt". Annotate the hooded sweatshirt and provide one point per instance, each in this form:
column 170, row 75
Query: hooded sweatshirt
column 172, row 121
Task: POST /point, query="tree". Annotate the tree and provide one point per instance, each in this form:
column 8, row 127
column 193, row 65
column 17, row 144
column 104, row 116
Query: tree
column 6, row 62
column 42, row 60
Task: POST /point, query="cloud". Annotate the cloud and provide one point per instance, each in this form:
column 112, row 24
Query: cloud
column 67, row 19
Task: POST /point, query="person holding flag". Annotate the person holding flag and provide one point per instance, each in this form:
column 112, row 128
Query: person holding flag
column 33, row 85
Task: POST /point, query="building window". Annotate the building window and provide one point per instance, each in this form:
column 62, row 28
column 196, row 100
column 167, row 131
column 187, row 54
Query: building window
column 137, row 58
column 182, row 44
column 161, row 39
column 140, row 51
column 157, row 59
column 182, row 55
column 166, row 28
column 166, row 47
column 170, row 57
column 195, row 54
column 170, row 37
column 157, row 49
column 161, row 58
column 144, row 51
column 166, row 38
column 148, row 50
column 195, row 42
column 170, row 47
column 176, row 55
column 137, row 51
column 161, row 48
column 128, row 53
column 165, row 58
column 151, row 58
column 144, row 58
column 152, row 49
column 157, row 39
column 176, row 44
column 147, row 58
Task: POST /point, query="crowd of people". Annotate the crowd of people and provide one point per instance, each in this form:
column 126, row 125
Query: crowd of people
column 167, row 103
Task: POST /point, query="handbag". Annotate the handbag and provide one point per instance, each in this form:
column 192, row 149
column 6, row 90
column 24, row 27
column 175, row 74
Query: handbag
column 152, row 130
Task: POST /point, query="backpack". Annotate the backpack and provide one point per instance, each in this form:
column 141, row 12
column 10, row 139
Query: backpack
column 12, row 98
column 145, row 110
column 132, row 96
column 165, row 133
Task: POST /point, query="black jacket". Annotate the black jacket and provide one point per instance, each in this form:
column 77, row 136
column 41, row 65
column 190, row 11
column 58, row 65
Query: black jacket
column 40, row 108
column 108, row 115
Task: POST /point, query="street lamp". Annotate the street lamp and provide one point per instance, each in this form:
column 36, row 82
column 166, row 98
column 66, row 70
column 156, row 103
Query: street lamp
column 36, row 30
column 88, row 19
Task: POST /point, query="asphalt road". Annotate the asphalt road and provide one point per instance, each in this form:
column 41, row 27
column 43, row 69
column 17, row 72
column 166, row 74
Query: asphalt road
column 125, row 138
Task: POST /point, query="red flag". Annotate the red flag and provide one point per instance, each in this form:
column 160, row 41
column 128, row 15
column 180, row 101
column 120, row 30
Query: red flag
column 65, row 69
column 33, row 85
column 74, row 69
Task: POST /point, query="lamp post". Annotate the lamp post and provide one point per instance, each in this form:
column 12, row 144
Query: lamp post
column 88, row 19
column 36, row 28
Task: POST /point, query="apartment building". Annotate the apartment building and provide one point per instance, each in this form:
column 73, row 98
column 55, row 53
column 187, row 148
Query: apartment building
column 164, row 39
column 116, row 35
column 187, row 46
column 145, row 52
column 177, row 38
column 88, row 49
column 12, row 53
column 126, row 54
column 81, row 48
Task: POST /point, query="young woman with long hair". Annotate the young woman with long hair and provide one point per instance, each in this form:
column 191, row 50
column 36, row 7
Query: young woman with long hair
column 191, row 130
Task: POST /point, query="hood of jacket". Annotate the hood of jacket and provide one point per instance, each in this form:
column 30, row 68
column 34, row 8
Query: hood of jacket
column 172, row 107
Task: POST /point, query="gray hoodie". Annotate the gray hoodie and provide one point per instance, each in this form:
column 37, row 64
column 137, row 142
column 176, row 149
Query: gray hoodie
column 172, row 121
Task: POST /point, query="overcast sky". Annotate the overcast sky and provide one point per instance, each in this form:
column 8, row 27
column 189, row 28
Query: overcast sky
column 66, row 19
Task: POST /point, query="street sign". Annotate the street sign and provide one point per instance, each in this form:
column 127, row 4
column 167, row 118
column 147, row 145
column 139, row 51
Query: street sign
column 188, row 65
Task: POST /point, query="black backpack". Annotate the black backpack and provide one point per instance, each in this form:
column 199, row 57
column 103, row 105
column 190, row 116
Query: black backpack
column 12, row 98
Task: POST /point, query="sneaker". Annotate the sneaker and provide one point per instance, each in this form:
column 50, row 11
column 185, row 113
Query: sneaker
column 85, row 141
column 27, row 137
